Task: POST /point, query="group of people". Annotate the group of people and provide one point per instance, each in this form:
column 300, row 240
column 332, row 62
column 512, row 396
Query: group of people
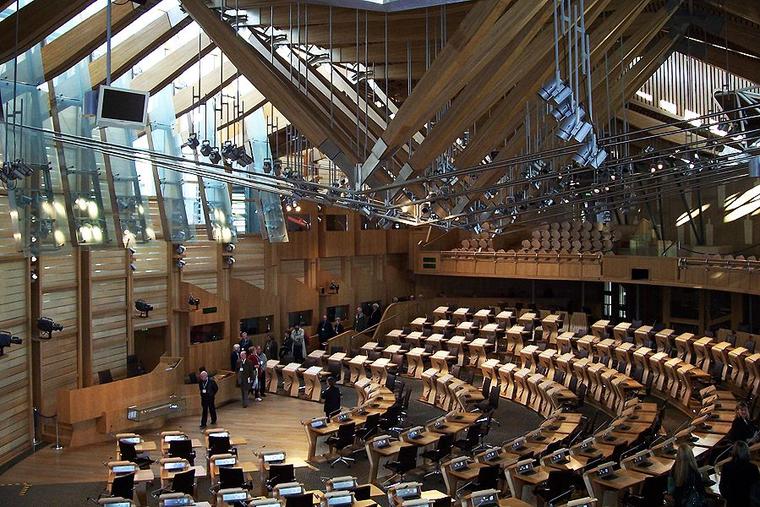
column 739, row 478
column 249, row 362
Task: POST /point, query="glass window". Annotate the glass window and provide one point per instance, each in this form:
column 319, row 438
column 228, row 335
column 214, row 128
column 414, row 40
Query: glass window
column 336, row 223
column 303, row 318
column 298, row 223
column 340, row 312
column 257, row 325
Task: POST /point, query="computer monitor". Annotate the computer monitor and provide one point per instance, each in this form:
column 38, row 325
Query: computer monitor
column 559, row 456
column 219, row 434
column 173, row 465
column 491, row 455
column 233, row 495
column 288, row 489
column 175, row 500
column 343, row 416
column 381, row 443
column 273, row 457
column 605, row 470
column 524, row 467
column 124, row 469
column 174, row 438
column 336, row 498
column 343, row 483
column 131, row 440
column 266, row 502
column 415, row 432
column 518, row 443
column 485, row 498
column 408, row 490
column 115, row 501
column 459, row 463
column 224, row 460
column 319, row 422
column 119, row 107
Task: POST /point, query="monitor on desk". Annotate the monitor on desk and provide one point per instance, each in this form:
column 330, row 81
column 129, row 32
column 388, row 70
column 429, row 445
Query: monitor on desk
column 408, row 490
column 174, row 438
column 288, row 489
column 485, row 498
column 381, row 443
column 492, row 455
column 605, row 470
column 416, row 432
column 175, row 500
column 439, row 423
column 127, row 468
column 642, row 458
column 587, row 445
column 518, row 443
column 233, row 495
column 131, row 440
column 115, row 501
column 224, row 460
column 525, row 467
column 318, row 422
column 273, row 457
column 559, row 457
column 343, row 483
column 343, row 416
column 174, row 465
column 266, row 502
column 335, row 498
column 459, row 463
column 219, row 434
column 417, row 502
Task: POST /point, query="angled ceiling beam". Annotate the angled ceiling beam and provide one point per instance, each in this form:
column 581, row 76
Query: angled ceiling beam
column 749, row 10
column 211, row 83
column 283, row 94
column 731, row 61
column 125, row 55
column 35, row 21
column 173, row 65
column 76, row 44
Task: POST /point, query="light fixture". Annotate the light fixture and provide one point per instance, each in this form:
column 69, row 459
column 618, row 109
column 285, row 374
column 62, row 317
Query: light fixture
column 206, row 148
column 229, row 247
column 180, row 264
column 229, row 151
column 194, row 301
column 48, row 325
column 267, row 165
column 215, row 157
column 6, row 340
column 192, row 142
column 143, row 307
column 229, row 261
column 180, row 249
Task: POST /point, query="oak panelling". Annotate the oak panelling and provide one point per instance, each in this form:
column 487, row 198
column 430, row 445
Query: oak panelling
column 150, row 259
column 247, row 301
column 7, row 230
column 202, row 265
column 58, row 356
column 214, row 356
column 153, row 290
column 370, row 241
column 15, row 424
column 154, row 211
column 109, row 326
column 58, row 271
column 295, row 269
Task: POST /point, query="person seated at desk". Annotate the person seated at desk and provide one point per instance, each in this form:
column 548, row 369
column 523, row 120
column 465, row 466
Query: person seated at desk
column 742, row 428
column 331, row 396
column 739, row 478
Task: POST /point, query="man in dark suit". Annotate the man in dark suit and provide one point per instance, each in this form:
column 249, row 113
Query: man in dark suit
column 331, row 396
column 234, row 356
column 325, row 331
column 208, row 389
column 245, row 342
column 245, row 374
column 375, row 315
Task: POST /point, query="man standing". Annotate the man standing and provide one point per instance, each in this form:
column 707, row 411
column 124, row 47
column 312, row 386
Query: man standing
column 245, row 375
column 271, row 350
column 208, row 389
column 375, row 315
column 234, row 356
column 261, row 393
column 360, row 320
column 338, row 326
column 325, row 331
column 299, row 344
column 331, row 396
column 245, row 342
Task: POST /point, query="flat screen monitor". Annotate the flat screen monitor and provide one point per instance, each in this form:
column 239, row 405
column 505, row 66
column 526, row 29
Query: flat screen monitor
column 119, row 107
column 174, row 438
column 339, row 498
column 492, row 455
column 289, row 489
column 524, row 468
column 343, row 483
column 131, row 440
column 459, row 464
column 274, row 457
column 485, row 498
column 225, row 462
column 408, row 492
column 123, row 469
column 174, row 465
column 318, row 423
column 219, row 434
column 236, row 495
column 381, row 443
column 178, row 501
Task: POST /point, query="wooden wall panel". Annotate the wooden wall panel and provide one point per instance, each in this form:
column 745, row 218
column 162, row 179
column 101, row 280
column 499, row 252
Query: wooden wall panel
column 295, row 269
column 202, row 264
column 8, row 244
column 59, row 364
column 15, row 425
column 154, row 291
column 109, row 327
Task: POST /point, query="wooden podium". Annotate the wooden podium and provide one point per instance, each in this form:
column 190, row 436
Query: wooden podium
column 436, row 341
column 429, row 377
column 599, row 328
column 440, row 361
column 415, row 364
column 460, row 314
column 663, row 339
column 442, row 312
column 418, row 323
column 335, row 361
column 482, row 316
column 414, row 338
column 505, row 319
column 514, row 340
column 290, row 379
column 356, row 369
column 391, row 349
column 550, row 328
column 312, row 381
column 490, row 369
column 506, row 380
column 478, row 353
column 441, row 325
column 379, row 370
column 456, row 347
column 271, row 376
column 620, row 332
column 466, row 327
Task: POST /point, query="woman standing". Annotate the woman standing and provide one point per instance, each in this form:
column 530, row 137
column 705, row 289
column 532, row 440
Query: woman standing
column 685, row 483
column 739, row 477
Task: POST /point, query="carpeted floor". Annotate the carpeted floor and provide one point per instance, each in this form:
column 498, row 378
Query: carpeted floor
column 514, row 420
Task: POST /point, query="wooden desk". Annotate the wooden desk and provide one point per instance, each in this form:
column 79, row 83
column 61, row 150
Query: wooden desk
column 395, row 335
column 436, row 341
column 478, row 353
column 599, row 328
column 336, row 360
column 418, row 323
column 290, row 381
column 314, row 434
column 379, row 369
column 505, row 319
column 376, row 456
column 460, row 314
column 392, row 349
column 482, row 316
column 466, row 327
column 168, row 475
column 142, row 478
column 623, row 480
column 550, row 328
column 356, row 369
column 526, row 318
column 442, row 312
column 659, row 466
column 415, row 363
column 452, row 478
column 456, row 347
column 414, row 338
column 370, row 347
column 423, row 440
column 429, row 377
column 194, row 442
column 441, row 325
column 313, row 383
column 517, row 482
column 440, row 361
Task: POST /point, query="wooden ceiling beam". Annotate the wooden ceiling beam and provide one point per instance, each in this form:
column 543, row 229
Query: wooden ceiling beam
column 76, row 44
column 125, row 55
column 747, row 9
column 731, row 61
column 35, row 21
column 211, row 83
column 173, row 65
column 283, row 94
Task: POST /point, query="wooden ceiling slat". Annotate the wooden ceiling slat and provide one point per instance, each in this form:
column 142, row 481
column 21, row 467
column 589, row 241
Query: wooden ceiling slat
column 173, row 65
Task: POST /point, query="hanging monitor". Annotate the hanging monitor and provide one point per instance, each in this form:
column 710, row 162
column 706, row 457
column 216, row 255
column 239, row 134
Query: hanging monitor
column 119, row 107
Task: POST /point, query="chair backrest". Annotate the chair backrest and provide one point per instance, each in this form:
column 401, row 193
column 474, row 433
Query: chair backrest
column 281, row 473
column 180, row 448
column 371, row 424
column 444, row 501
column 231, row 477
column 302, row 500
column 390, row 381
column 346, row 434
column 184, row 482
column 405, row 403
column 488, row 477
column 407, row 456
column 127, row 451
column 218, row 445
column 445, row 444
column 123, row 485
column 493, row 398
column 473, row 434
column 456, row 370
column 486, row 389
column 362, row 492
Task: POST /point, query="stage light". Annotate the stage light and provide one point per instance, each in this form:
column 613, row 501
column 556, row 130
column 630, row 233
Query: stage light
column 334, row 287
column 6, row 340
column 229, row 261
column 143, row 307
column 229, row 247
column 181, row 264
column 48, row 325
column 206, row 148
column 215, row 157
column 180, row 249
column 192, row 142
column 243, row 159
column 229, row 151
column 267, row 166
column 193, row 301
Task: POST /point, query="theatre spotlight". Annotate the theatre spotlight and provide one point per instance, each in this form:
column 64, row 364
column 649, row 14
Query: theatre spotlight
column 267, row 166
column 334, row 287
column 229, row 151
column 206, row 148
column 215, row 157
column 192, row 142
column 556, row 91
column 181, row 249
column 7, row 339
column 229, row 261
column 590, row 155
column 143, row 307
column 243, row 159
column 48, row 325
column 570, row 125
column 194, row 301
column 229, row 247
column 181, row 264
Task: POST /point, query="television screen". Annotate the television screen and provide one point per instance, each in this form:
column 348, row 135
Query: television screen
column 123, row 469
column 119, row 107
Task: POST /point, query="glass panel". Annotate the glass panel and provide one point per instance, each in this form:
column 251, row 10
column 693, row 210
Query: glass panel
column 336, row 223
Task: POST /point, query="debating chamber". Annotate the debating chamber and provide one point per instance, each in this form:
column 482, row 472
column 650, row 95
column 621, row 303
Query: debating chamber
column 380, row 253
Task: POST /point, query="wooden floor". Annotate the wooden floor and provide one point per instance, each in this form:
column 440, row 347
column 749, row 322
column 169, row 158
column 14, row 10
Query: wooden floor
column 274, row 423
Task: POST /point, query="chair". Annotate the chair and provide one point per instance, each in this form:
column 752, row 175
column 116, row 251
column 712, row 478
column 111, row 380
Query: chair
column 362, row 492
column 490, row 404
column 390, row 381
column 182, row 482
column 488, row 478
column 232, row 477
column 444, row 501
column 560, row 484
column 471, row 440
column 122, row 486
column 182, row 449
column 127, row 452
column 371, row 425
column 302, row 500
column 652, row 492
column 344, row 438
column 437, row 455
column 280, row 473
column 405, row 462
column 220, row 445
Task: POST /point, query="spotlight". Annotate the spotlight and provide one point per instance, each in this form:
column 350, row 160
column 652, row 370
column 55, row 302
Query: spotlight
column 563, row 110
column 194, row 301
column 229, row 247
column 192, row 142
column 229, row 261
column 48, row 325
column 215, row 157
column 366, row 211
column 570, row 125
column 6, row 340
column 243, row 159
column 556, row 90
column 229, row 151
column 143, row 307
column 132, row 266
column 181, row 263
column 277, row 167
column 206, row 148
column 267, row 165
column 334, row 287
column 181, row 249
